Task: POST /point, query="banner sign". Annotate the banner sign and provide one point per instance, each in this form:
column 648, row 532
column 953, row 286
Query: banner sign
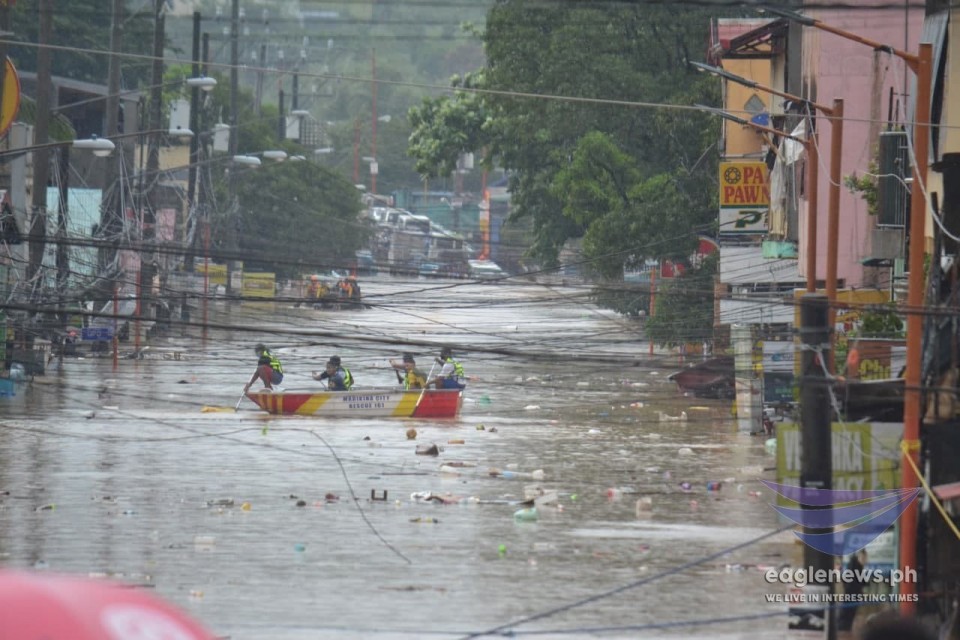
column 744, row 199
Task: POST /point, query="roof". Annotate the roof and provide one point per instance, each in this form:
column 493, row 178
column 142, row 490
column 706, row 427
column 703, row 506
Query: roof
column 745, row 38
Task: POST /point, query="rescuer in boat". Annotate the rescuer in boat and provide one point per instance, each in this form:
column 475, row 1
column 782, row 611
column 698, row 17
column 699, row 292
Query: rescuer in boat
column 339, row 370
column 269, row 369
column 333, row 375
column 451, row 375
column 413, row 378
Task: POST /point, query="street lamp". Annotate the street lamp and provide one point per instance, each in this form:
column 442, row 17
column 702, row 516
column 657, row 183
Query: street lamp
column 249, row 161
column 101, row 147
column 835, row 114
column 204, row 83
column 921, row 64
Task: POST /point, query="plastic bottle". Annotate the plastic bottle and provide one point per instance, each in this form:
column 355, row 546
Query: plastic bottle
column 526, row 515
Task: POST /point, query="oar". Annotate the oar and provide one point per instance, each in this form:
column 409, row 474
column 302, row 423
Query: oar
column 425, row 385
column 243, row 395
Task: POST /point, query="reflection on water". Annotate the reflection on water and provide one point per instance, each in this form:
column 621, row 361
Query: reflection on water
column 146, row 487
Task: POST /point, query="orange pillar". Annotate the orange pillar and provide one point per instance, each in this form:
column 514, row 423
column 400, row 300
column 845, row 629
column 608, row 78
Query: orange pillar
column 833, row 223
column 915, row 303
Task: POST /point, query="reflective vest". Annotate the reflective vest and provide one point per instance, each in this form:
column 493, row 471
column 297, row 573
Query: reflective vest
column 274, row 363
column 347, row 377
column 457, row 368
column 414, row 380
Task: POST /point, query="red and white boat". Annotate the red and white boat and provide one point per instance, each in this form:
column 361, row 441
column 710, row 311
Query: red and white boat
column 362, row 403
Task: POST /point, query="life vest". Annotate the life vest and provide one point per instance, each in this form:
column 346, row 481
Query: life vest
column 414, row 381
column 347, row 377
column 274, row 363
column 457, row 369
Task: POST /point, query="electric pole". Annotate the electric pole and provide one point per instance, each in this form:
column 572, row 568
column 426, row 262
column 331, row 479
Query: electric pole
column 149, row 212
column 232, row 243
column 109, row 215
column 41, row 157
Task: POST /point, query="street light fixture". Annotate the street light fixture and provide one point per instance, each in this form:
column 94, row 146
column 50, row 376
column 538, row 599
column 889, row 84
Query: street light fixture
column 101, row 147
column 249, row 161
column 204, row 83
column 275, row 154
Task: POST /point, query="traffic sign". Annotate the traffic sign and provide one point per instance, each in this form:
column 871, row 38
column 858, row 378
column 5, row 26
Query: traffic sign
column 97, row 334
column 11, row 97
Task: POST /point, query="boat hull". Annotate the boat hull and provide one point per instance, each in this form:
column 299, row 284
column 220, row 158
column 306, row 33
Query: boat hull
column 365, row 403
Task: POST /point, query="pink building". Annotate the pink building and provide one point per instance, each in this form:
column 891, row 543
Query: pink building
column 875, row 87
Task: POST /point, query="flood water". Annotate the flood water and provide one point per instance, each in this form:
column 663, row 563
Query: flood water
column 121, row 473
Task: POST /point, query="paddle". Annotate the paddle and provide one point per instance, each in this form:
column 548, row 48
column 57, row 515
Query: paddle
column 424, row 390
column 243, row 395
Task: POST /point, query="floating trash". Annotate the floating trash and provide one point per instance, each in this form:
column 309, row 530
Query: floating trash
column 428, row 450
column 526, row 515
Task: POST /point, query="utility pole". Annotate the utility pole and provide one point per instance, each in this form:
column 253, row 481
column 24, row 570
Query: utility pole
column 109, row 214
column 63, row 257
column 149, row 212
column 232, row 243
column 281, row 119
column 5, row 28
column 41, row 158
column 193, row 219
column 816, row 448
column 374, row 170
column 262, row 63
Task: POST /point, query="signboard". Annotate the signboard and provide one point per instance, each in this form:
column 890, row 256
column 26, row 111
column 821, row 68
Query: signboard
column 96, row 334
column 258, row 285
column 866, row 456
column 11, row 97
column 744, row 199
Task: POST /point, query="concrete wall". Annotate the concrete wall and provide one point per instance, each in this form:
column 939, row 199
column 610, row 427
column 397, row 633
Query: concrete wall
column 834, row 67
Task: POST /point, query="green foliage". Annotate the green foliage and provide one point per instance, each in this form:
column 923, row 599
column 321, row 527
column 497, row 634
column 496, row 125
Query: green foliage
column 297, row 211
column 83, row 28
column 881, row 323
column 867, row 187
column 633, row 181
column 684, row 307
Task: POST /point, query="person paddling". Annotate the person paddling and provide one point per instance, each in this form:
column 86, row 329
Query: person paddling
column 412, row 378
column 451, row 375
column 338, row 369
column 269, row 369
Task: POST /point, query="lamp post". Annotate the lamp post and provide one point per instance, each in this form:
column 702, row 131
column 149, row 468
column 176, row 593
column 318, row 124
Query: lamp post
column 835, row 114
column 921, row 64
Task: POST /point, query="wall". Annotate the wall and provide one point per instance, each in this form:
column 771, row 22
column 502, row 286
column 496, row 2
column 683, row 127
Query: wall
column 740, row 140
column 834, row 67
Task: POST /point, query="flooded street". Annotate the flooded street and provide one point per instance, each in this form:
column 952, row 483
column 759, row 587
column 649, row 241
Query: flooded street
column 121, row 473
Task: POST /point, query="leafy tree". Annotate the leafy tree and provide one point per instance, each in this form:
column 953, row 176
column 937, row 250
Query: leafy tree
column 684, row 307
column 296, row 211
column 654, row 180
column 83, row 27
column 288, row 212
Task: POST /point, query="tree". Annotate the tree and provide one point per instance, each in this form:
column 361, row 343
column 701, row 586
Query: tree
column 684, row 307
column 297, row 212
column 83, row 27
column 580, row 58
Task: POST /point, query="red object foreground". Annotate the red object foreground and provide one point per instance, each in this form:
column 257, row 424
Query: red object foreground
column 38, row 606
